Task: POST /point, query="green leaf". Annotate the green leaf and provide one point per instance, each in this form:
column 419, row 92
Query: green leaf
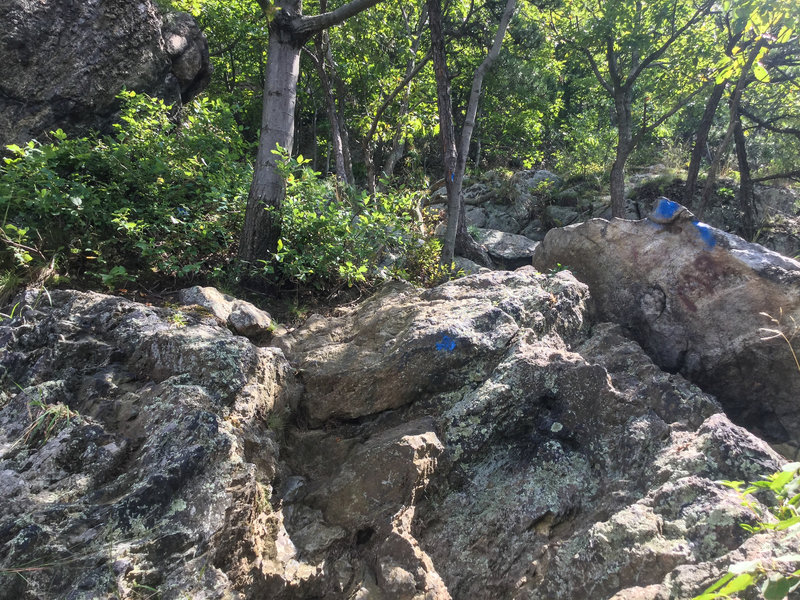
column 761, row 73
column 787, row 523
column 778, row 587
column 713, row 588
column 742, row 582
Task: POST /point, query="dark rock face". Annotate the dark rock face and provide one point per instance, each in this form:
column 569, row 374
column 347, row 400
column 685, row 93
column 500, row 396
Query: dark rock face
column 482, row 439
column 693, row 296
column 63, row 63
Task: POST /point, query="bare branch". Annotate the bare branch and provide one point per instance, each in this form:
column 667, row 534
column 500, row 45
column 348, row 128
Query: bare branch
column 788, row 175
column 659, row 52
column 768, row 124
column 310, row 25
column 675, row 108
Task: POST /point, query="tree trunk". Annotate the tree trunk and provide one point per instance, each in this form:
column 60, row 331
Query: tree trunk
column 288, row 31
column 320, row 62
column 446, row 130
column 746, row 194
column 622, row 108
column 455, row 160
column 341, row 94
column 701, row 141
column 261, row 229
column 465, row 245
column 736, row 97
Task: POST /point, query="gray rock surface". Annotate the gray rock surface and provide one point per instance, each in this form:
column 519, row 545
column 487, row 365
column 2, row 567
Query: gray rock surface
column 63, row 63
column 240, row 316
column 693, row 296
column 482, row 439
column 508, row 250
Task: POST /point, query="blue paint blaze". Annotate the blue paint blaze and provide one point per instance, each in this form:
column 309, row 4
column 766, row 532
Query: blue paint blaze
column 706, row 233
column 666, row 209
column 446, row 345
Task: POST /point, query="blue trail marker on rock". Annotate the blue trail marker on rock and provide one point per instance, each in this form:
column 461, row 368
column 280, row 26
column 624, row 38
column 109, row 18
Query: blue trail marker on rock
column 666, row 211
column 706, row 233
column 446, row 345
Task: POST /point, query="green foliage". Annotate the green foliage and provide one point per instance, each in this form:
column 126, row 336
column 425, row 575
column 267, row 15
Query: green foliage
column 237, row 34
column 332, row 236
column 777, row 579
column 422, row 265
column 163, row 195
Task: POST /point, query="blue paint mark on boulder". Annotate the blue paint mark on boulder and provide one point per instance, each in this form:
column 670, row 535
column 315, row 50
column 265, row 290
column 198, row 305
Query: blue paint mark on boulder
column 665, row 210
column 706, row 233
column 446, row 345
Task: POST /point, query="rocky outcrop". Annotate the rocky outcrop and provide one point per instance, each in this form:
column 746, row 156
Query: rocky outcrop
column 239, row 316
column 65, row 62
column 482, row 439
column 530, row 203
column 697, row 299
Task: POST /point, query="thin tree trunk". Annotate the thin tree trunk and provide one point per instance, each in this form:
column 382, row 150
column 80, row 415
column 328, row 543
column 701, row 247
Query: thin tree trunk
column 746, row 194
column 321, row 44
column 734, row 116
column 478, row 145
column 622, row 108
column 315, row 145
column 465, row 244
column 446, row 129
column 701, row 141
column 398, row 148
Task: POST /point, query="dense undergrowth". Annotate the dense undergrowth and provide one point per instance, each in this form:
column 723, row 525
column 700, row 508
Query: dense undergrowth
column 162, row 201
column 162, row 197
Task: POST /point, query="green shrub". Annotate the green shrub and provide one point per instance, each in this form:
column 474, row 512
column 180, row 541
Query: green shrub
column 165, row 194
column 331, row 235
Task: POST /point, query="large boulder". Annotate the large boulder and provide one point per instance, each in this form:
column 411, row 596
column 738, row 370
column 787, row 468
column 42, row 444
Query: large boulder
column 699, row 301
column 482, row 439
column 133, row 451
column 65, row 62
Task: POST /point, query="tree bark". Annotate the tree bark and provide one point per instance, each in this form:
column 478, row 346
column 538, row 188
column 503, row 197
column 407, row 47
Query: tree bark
column 261, row 229
column 465, row 245
column 455, row 159
column 288, row 32
column 701, row 141
column 446, row 129
column 622, row 107
column 320, row 62
column 736, row 97
column 746, row 194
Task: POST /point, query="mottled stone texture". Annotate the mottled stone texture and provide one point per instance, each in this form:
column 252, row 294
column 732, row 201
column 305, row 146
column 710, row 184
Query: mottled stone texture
column 693, row 297
column 63, row 62
column 483, row 439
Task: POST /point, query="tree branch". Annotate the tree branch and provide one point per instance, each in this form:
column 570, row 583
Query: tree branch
column 788, row 175
column 477, row 82
column 659, row 52
column 398, row 88
column 675, row 108
column 596, row 69
column 310, row 25
column 768, row 124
